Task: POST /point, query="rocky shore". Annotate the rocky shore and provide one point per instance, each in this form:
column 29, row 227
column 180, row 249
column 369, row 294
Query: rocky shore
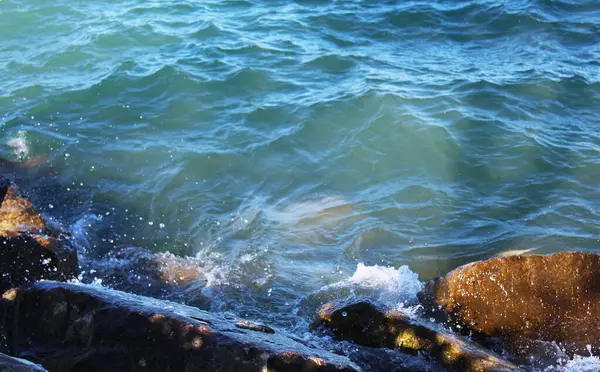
column 503, row 314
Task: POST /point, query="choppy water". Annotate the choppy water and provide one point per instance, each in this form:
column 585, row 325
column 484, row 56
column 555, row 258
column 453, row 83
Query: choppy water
column 287, row 142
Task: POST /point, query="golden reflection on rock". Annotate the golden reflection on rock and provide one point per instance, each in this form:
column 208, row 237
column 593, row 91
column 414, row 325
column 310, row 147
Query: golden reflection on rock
column 367, row 325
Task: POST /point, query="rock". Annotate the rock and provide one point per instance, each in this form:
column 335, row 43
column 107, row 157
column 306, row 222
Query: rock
column 548, row 298
column 386, row 360
column 365, row 324
column 17, row 215
column 10, row 364
column 161, row 267
column 25, row 164
column 160, row 275
column 29, row 251
column 74, row 327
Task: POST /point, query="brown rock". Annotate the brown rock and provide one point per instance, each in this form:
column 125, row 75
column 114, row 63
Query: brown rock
column 69, row 327
column 162, row 267
column 549, row 298
column 159, row 275
column 27, row 251
column 26, row 164
column 365, row 324
column 16, row 213
column 10, row 364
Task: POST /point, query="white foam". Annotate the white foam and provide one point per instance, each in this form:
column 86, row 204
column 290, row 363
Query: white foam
column 219, row 272
column 19, row 144
column 388, row 286
column 217, row 276
column 581, row 364
column 514, row 252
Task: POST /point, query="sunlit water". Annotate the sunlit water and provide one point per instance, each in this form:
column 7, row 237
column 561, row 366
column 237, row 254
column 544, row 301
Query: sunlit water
column 299, row 146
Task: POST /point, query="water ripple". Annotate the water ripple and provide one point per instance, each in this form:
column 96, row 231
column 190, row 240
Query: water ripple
column 421, row 133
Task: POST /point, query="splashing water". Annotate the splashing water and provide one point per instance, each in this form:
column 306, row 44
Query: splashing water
column 580, row 364
column 19, row 145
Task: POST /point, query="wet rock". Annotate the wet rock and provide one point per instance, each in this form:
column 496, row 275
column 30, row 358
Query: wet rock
column 161, row 267
column 159, row 275
column 17, row 215
column 29, row 251
column 246, row 324
column 70, row 327
column 387, row 360
column 10, row 364
column 25, row 164
column 367, row 325
column 538, row 297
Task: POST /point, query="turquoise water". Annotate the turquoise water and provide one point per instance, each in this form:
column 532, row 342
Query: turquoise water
column 285, row 142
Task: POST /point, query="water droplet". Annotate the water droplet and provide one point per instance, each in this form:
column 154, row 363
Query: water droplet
column 344, row 314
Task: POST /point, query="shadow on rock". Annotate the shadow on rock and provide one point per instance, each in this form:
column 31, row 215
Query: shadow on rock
column 367, row 325
column 70, row 327
column 30, row 250
column 10, row 364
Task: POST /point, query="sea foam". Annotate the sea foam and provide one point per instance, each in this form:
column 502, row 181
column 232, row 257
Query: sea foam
column 388, row 286
column 19, row 144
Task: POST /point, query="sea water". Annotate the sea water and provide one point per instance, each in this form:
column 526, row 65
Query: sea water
column 309, row 150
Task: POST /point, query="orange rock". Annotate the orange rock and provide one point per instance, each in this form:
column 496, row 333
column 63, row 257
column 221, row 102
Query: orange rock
column 16, row 213
column 27, row 253
column 162, row 268
column 550, row 298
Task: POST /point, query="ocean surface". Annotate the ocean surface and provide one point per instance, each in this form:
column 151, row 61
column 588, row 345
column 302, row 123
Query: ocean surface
column 308, row 150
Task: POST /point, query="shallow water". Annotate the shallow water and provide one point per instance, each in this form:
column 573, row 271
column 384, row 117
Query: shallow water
column 285, row 143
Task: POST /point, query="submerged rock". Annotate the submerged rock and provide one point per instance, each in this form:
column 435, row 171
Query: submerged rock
column 10, row 364
column 29, row 250
column 159, row 275
column 365, row 324
column 69, row 327
column 160, row 267
column 549, row 298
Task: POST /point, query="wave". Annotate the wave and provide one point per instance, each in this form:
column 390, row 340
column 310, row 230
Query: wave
column 312, row 148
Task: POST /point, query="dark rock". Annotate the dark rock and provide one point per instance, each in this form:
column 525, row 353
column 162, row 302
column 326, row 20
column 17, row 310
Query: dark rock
column 548, row 298
column 10, row 364
column 387, row 360
column 29, row 251
column 70, row 327
column 365, row 324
